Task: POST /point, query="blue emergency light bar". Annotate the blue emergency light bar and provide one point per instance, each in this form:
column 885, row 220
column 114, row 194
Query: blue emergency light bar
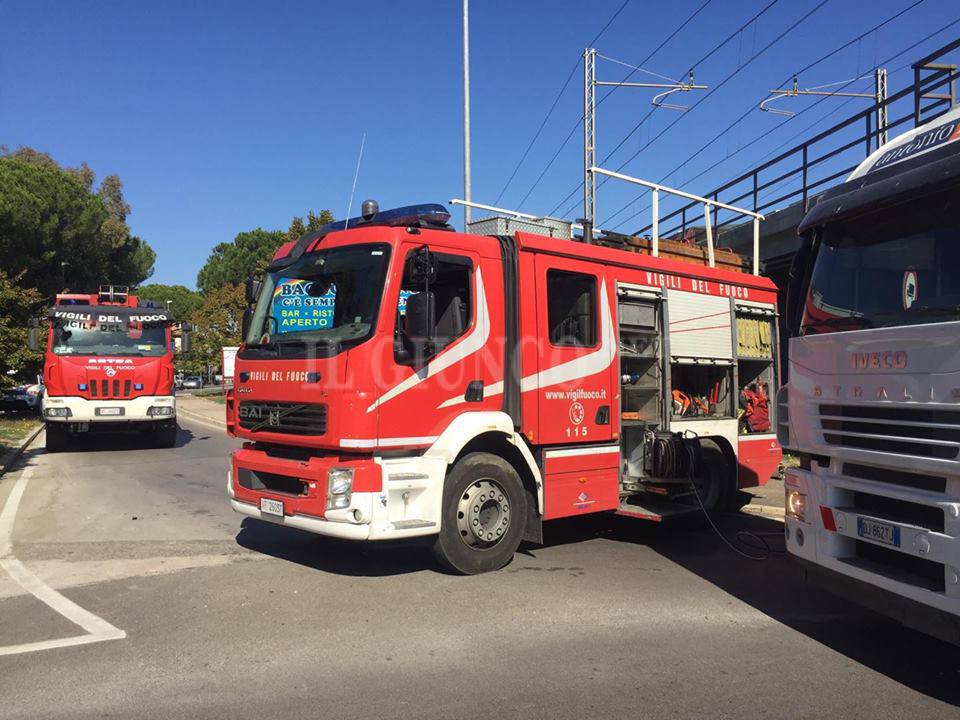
column 427, row 214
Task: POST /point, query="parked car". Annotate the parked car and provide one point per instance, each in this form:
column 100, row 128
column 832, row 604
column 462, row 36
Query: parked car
column 23, row 398
column 192, row 382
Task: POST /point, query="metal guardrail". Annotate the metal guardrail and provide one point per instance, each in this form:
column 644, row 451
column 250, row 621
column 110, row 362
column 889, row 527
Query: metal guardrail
column 934, row 93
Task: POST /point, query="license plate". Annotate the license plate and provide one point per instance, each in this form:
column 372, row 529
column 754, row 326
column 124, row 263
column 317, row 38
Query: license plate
column 271, row 507
column 110, row 411
column 878, row 532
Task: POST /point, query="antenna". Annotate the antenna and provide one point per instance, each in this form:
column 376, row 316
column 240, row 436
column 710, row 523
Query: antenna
column 356, row 174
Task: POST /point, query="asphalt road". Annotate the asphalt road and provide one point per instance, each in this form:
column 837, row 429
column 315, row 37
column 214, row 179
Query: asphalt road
column 216, row 616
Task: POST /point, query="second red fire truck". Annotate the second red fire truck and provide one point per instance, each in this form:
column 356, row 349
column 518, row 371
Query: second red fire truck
column 108, row 367
column 400, row 379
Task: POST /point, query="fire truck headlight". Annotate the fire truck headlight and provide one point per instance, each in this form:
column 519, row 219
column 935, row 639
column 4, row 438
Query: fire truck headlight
column 339, row 481
column 57, row 412
column 160, row 411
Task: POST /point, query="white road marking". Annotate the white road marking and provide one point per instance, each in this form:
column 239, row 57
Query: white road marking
column 98, row 629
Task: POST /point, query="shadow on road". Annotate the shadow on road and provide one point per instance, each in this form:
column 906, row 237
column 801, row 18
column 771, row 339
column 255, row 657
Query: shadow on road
column 342, row 557
column 774, row 587
column 771, row 586
column 124, row 441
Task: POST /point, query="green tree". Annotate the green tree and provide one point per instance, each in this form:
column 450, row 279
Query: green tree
column 231, row 263
column 17, row 305
column 217, row 323
column 250, row 252
column 55, row 233
column 183, row 300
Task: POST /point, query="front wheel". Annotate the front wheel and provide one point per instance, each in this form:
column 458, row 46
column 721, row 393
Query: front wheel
column 484, row 509
column 58, row 437
column 165, row 436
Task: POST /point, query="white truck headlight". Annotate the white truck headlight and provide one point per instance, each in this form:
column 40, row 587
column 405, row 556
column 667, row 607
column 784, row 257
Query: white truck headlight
column 57, row 412
column 795, row 497
column 339, row 487
column 160, row 411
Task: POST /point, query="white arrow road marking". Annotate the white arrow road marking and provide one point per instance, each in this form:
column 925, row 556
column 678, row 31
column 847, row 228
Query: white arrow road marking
column 98, row 629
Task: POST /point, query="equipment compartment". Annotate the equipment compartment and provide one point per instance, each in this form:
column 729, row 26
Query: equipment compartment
column 756, row 368
column 701, row 391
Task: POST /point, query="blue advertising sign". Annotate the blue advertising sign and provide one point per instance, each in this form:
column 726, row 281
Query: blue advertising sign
column 296, row 310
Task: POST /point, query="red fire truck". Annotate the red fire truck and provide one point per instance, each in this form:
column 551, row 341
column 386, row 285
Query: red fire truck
column 401, row 379
column 108, row 367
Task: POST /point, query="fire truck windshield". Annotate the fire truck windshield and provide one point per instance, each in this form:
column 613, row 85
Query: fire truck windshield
column 895, row 267
column 75, row 338
column 329, row 299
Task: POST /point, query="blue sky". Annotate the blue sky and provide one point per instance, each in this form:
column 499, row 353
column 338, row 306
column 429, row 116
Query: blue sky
column 225, row 116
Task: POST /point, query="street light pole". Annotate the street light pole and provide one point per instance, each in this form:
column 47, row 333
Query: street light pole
column 466, row 112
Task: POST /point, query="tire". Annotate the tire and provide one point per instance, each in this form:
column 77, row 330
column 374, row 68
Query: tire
column 713, row 480
column 58, row 437
column 166, row 436
column 482, row 495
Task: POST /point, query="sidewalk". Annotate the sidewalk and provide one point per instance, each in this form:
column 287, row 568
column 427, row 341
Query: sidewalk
column 201, row 410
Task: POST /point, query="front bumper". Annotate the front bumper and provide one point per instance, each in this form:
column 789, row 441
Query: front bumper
column 88, row 411
column 391, row 497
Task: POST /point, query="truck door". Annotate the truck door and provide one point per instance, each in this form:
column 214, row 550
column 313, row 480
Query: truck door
column 577, row 346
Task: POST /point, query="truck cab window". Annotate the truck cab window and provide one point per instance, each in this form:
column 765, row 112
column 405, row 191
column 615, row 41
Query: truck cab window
column 453, row 297
column 572, row 308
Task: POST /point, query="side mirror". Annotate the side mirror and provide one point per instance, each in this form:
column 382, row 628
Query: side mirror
column 33, row 334
column 420, row 316
column 247, row 322
column 423, row 266
column 251, row 290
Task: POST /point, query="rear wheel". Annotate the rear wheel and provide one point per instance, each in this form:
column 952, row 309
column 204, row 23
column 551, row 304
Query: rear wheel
column 484, row 509
column 58, row 437
column 713, row 479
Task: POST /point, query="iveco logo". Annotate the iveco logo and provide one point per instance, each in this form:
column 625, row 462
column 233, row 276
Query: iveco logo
column 884, row 360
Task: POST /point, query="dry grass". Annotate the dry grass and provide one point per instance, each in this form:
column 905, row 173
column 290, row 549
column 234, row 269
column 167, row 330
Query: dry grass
column 14, row 428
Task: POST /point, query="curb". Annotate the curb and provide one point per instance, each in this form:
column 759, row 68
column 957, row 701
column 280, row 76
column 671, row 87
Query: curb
column 197, row 417
column 7, row 461
column 770, row 512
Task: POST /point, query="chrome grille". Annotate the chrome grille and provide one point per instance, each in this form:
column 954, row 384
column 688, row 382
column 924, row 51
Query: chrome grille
column 283, row 417
column 900, row 429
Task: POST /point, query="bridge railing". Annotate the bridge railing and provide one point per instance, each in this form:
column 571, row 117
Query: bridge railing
column 810, row 167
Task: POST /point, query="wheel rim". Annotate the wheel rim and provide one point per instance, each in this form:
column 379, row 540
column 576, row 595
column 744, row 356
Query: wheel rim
column 483, row 514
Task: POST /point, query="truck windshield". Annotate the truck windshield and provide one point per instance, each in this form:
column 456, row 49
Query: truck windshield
column 894, row 267
column 327, row 299
column 76, row 338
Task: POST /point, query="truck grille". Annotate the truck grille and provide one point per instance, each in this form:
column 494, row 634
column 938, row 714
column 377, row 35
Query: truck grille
column 915, row 431
column 283, row 417
column 110, row 388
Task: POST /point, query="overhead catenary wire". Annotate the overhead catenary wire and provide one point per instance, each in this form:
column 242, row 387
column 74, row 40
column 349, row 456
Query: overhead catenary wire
column 716, row 48
column 556, row 101
column 807, row 109
column 573, row 130
column 808, row 66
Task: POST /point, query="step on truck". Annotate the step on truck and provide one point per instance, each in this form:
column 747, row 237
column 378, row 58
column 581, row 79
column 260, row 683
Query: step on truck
column 872, row 405
column 108, row 367
column 400, row 379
